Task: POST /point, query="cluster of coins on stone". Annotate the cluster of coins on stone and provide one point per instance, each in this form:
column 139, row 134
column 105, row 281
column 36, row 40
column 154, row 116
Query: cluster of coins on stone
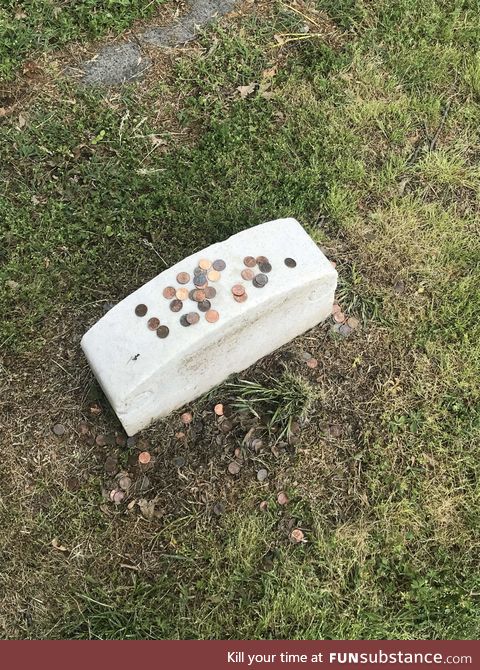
column 249, row 273
column 153, row 323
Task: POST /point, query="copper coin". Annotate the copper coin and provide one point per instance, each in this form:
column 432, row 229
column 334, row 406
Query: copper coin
column 260, row 281
column 205, row 264
column 241, row 298
column 219, row 265
column 353, row 322
column 176, row 305
column 248, row 274
column 199, row 295
column 290, row 263
column 212, row 315
column 193, row 317
column 144, row 457
column 339, row 317
column 312, row 363
column 200, row 280
column 183, row 277
column 187, row 418
column 198, row 271
column 261, row 259
column 218, row 409
column 234, row 468
column 191, row 294
column 181, row 293
column 153, row 323
column 169, row 292
column 204, row 306
column 265, row 267
column 214, row 275
column 210, row 292
column 249, row 261
column 163, row 332
column 141, row 310
column 183, row 321
column 336, row 308
column 238, row 289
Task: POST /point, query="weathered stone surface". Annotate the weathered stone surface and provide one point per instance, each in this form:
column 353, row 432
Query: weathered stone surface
column 116, row 64
column 146, row 377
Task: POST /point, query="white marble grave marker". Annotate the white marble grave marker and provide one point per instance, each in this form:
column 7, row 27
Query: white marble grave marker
column 149, row 360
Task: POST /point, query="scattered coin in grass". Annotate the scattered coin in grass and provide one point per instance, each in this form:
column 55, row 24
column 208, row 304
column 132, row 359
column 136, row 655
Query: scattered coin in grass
column 218, row 508
column 218, row 409
column 125, row 483
column 101, row 440
column 234, row 468
column 187, row 418
column 263, row 506
column 257, row 444
column 59, row 429
column 262, row 475
column 353, row 322
column 305, row 355
column 333, row 264
column 282, row 498
column 336, row 308
column 118, row 497
column 345, row 330
column 312, row 363
column 179, row 461
column 339, row 317
column 144, row 457
column 141, row 310
column 297, row 535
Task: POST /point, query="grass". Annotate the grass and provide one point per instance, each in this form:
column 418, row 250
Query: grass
column 383, row 476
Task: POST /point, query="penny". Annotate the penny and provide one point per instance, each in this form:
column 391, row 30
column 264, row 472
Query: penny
column 169, row 292
column 141, row 310
column 58, row 429
column 353, row 322
column 297, row 535
column 339, row 317
column 219, row 265
column 118, row 496
column 336, row 308
column 312, row 363
column 176, row 305
column 214, row 275
column 212, row 315
column 198, row 271
column 204, row 306
column 290, row 263
column 238, row 289
column 210, row 292
column 200, row 280
column 187, row 418
column 260, row 281
column 144, row 457
column 191, row 294
column 199, row 295
column 261, row 259
column 234, row 468
column 183, row 277
column 153, row 323
column 282, row 498
column 265, row 267
column 192, row 318
column 183, row 321
column 240, row 298
column 262, row 474
column 249, row 261
column 218, row 409
column 125, row 483
column 163, row 332
column 248, row 274
column 181, row 293
column 205, row 264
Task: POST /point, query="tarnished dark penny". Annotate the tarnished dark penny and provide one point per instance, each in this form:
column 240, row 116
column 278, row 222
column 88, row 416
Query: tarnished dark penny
column 238, row 289
column 192, row 318
column 169, row 292
column 260, row 281
column 163, row 332
column 204, row 306
column 176, row 305
column 198, row 271
column 261, row 259
column 290, row 263
column 213, row 275
column 183, row 321
column 219, row 265
column 141, row 310
column 212, row 315
column 241, row 298
column 153, row 323
column 183, row 277
column 210, row 292
column 191, row 294
column 248, row 274
column 199, row 295
column 265, row 267
column 249, row 261
column 181, row 293
column 200, row 280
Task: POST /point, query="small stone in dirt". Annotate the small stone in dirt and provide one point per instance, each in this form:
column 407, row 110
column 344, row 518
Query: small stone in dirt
column 295, row 427
column 282, row 498
column 144, row 457
column 297, row 536
column 263, row 506
column 262, row 475
column 219, row 508
column 218, row 409
column 125, row 483
column 345, row 330
column 101, row 440
column 120, row 440
column 238, row 453
column 179, row 461
column 59, row 429
column 234, row 468
column 111, row 465
column 187, row 418
column 312, row 363
column 131, row 442
column 305, row 356
column 226, row 426
column 353, row 322
column 257, row 445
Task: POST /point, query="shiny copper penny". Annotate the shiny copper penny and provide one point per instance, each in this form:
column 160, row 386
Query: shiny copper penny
column 144, row 457
column 290, row 263
column 241, row 298
column 248, row 274
column 213, row 275
column 205, row 264
column 199, row 295
column 210, row 292
column 204, row 306
column 200, row 280
column 153, row 323
column 219, row 265
column 176, row 305
column 163, row 332
column 169, row 292
column 218, row 409
column 192, row 318
column 212, row 315
column 261, row 259
column 249, row 261
column 181, row 293
column 260, row 281
column 339, row 317
column 238, row 289
column 141, row 310
column 183, row 277
column 265, row 267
